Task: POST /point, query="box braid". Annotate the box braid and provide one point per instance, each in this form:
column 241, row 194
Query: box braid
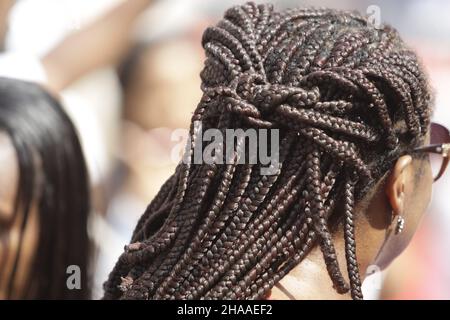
column 348, row 99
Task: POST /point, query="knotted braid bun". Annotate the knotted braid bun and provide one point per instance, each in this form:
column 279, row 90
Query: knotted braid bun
column 347, row 98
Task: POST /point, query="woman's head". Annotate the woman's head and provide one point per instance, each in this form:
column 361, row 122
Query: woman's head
column 44, row 198
column 350, row 102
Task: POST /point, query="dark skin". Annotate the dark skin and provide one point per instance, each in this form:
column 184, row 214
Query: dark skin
column 404, row 191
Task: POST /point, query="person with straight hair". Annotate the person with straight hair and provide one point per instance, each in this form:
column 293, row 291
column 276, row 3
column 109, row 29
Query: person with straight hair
column 44, row 198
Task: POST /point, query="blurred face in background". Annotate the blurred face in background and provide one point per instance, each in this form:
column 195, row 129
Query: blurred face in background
column 164, row 85
column 16, row 247
column 162, row 90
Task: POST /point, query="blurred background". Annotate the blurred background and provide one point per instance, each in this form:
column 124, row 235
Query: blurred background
column 126, row 113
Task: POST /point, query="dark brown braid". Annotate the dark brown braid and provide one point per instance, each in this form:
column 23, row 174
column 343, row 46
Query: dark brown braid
column 348, row 99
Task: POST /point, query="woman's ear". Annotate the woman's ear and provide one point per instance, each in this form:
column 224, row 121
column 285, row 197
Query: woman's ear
column 396, row 191
column 396, row 183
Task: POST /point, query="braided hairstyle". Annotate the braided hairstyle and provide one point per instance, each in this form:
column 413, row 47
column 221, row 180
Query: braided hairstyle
column 348, row 100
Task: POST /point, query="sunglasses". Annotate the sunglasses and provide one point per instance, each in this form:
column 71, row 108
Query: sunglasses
column 438, row 150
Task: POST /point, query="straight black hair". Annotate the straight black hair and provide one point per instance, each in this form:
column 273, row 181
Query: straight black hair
column 52, row 171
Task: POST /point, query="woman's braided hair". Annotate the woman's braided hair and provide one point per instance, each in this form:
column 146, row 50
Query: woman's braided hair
column 348, row 99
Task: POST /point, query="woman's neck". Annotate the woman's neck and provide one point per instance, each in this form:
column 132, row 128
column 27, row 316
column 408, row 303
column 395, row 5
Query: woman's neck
column 310, row 279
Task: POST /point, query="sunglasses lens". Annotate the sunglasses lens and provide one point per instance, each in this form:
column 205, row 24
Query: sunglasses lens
column 436, row 163
column 439, row 134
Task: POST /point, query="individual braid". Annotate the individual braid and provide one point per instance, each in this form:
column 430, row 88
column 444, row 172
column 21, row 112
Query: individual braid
column 350, row 245
column 348, row 99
